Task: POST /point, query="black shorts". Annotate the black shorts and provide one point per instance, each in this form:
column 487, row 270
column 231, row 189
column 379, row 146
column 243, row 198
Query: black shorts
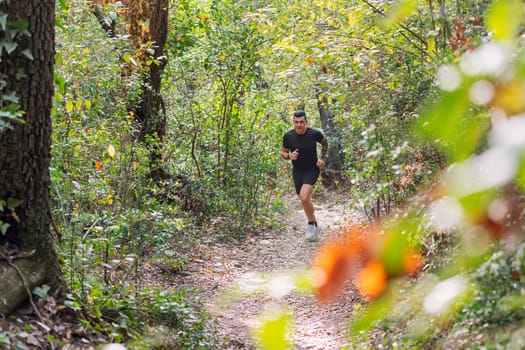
column 301, row 177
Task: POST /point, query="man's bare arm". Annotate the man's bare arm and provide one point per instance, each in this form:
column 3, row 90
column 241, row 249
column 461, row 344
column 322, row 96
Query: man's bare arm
column 285, row 153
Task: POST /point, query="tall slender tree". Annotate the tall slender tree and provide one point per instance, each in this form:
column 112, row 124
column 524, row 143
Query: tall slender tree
column 27, row 251
column 147, row 26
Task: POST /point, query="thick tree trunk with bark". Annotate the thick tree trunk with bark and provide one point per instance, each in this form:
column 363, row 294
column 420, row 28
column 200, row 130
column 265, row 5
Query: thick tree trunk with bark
column 334, row 158
column 27, row 250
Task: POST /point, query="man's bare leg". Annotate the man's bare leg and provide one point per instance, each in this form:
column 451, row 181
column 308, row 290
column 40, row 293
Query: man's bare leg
column 305, row 195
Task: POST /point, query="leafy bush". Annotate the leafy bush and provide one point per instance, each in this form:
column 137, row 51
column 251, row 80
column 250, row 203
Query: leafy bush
column 152, row 318
column 499, row 285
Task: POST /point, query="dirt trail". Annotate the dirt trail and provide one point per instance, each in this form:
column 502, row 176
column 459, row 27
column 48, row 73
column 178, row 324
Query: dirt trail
column 215, row 267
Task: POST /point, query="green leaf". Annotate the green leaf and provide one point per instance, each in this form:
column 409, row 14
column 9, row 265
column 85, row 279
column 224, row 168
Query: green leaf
column 11, row 97
column 273, row 333
column 520, row 178
column 450, row 126
column 8, row 46
column 42, row 291
column 51, row 338
column 402, row 9
column 73, row 305
column 375, row 311
column 12, row 203
column 503, row 19
column 126, row 57
column 3, row 21
column 60, row 83
column 20, row 74
column 4, row 336
column 28, row 54
column 63, row 3
column 124, row 227
column 21, row 26
column 5, row 126
column 129, row 59
column 3, row 227
column 69, row 106
column 394, row 252
column 305, row 281
column 58, row 24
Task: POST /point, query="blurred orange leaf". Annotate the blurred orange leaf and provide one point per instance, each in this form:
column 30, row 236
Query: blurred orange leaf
column 412, row 263
column 372, row 279
column 365, row 256
column 332, row 269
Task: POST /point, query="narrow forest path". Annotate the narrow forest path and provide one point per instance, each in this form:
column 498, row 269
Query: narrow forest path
column 217, row 266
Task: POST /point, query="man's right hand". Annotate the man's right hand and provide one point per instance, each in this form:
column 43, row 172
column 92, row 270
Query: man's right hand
column 294, row 155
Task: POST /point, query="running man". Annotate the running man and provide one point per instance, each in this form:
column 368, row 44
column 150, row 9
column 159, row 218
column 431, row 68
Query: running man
column 300, row 146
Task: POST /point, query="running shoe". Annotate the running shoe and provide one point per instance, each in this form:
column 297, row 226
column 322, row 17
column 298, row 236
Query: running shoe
column 311, row 233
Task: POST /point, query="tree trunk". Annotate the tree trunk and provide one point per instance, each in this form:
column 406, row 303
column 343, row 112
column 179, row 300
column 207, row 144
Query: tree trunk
column 334, row 158
column 151, row 111
column 25, row 155
column 147, row 25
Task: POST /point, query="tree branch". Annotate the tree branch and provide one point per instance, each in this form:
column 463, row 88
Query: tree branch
column 107, row 24
column 414, row 34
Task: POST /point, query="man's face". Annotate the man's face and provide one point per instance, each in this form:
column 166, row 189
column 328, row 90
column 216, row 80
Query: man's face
column 299, row 124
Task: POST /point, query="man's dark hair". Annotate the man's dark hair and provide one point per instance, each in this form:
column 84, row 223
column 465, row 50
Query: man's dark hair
column 298, row 114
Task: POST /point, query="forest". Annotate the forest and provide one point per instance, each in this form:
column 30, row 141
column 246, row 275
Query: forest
column 143, row 193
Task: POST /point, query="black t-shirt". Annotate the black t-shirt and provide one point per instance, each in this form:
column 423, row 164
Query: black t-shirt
column 306, row 145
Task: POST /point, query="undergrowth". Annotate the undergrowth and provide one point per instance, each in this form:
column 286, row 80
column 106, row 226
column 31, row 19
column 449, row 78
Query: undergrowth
column 489, row 317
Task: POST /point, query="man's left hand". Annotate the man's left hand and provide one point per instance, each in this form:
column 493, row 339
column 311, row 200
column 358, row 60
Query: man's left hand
column 320, row 163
